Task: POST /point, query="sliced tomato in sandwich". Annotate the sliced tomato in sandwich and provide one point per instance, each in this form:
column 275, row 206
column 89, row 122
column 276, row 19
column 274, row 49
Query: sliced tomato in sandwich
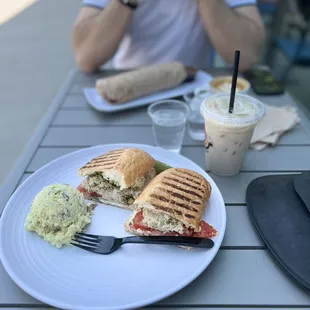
column 86, row 193
column 206, row 231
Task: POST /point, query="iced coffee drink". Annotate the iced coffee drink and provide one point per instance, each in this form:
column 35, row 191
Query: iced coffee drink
column 228, row 135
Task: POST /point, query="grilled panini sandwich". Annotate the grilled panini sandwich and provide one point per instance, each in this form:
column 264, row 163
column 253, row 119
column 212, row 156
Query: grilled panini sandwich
column 117, row 177
column 172, row 204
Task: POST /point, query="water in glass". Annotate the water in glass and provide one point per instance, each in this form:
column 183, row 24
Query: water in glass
column 169, row 127
column 196, row 124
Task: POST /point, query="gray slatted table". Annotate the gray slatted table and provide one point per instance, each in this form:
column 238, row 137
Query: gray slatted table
column 242, row 274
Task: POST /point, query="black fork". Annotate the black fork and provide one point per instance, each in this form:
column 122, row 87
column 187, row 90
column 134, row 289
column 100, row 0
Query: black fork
column 107, row 244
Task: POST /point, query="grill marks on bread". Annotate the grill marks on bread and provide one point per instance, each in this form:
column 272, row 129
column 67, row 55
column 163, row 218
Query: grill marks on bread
column 106, row 160
column 179, row 204
column 184, row 199
column 182, row 193
column 187, row 177
column 177, row 195
column 192, row 192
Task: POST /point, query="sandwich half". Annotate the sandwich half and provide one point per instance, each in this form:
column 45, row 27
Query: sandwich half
column 172, row 204
column 118, row 177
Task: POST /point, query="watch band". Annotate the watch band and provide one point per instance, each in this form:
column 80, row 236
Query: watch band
column 132, row 4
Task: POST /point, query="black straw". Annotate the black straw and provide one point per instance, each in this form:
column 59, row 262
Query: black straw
column 234, row 82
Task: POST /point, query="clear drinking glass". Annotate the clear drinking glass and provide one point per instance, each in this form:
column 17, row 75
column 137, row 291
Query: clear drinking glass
column 169, row 123
column 196, row 123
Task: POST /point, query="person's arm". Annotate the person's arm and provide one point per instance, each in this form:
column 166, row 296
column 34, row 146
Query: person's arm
column 231, row 29
column 97, row 34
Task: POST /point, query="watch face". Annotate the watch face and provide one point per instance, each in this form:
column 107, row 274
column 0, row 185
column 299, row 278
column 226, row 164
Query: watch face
column 130, row 2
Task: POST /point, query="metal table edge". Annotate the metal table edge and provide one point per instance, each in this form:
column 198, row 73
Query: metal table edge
column 23, row 160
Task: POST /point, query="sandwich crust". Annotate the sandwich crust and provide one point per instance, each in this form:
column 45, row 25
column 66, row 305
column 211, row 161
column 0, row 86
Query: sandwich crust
column 181, row 193
column 123, row 166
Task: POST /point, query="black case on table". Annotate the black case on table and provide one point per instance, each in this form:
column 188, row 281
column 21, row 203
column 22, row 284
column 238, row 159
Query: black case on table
column 279, row 207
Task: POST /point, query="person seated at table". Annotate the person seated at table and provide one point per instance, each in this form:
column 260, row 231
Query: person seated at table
column 143, row 32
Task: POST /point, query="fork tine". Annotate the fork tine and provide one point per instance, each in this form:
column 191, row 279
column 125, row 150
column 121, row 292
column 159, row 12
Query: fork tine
column 81, row 237
column 83, row 242
column 88, row 235
column 84, row 247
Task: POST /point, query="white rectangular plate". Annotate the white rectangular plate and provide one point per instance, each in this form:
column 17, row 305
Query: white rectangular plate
column 100, row 104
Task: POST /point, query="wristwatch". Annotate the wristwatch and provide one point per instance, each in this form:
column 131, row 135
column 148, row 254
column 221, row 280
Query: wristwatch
column 132, row 4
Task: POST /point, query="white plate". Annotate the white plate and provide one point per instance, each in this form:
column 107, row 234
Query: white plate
column 98, row 103
column 70, row 278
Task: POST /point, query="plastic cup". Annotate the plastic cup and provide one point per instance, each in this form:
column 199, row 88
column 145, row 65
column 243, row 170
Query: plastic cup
column 228, row 136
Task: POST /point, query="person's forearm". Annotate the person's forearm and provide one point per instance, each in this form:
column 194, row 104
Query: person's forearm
column 96, row 39
column 229, row 31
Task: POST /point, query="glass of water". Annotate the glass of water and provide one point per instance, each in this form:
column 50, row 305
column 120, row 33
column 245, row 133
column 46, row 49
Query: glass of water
column 169, row 123
column 196, row 123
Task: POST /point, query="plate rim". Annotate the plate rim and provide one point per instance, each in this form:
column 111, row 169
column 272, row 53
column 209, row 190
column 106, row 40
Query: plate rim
column 45, row 299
